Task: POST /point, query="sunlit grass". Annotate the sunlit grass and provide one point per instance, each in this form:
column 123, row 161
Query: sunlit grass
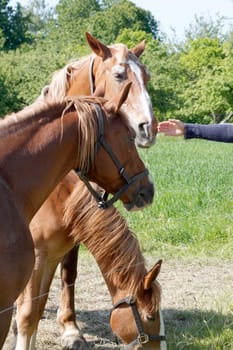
column 200, row 330
column 192, row 210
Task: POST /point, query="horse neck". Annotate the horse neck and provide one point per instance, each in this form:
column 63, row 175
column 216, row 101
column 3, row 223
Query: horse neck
column 36, row 153
column 106, row 235
column 81, row 78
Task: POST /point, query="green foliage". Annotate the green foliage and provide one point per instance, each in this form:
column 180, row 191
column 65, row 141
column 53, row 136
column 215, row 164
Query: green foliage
column 26, row 73
column 201, row 53
column 39, row 14
column 105, row 20
column 207, row 86
column 192, row 80
column 205, row 28
column 132, row 38
column 13, row 26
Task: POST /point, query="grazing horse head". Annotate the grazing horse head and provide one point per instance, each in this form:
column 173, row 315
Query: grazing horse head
column 142, row 314
column 103, row 73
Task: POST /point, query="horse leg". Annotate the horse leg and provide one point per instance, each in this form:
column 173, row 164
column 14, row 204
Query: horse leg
column 48, row 274
column 71, row 334
column 5, row 321
column 31, row 303
column 27, row 313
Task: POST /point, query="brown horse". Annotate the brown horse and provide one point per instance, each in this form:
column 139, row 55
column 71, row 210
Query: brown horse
column 109, row 67
column 105, row 70
column 38, row 147
column 135, row 318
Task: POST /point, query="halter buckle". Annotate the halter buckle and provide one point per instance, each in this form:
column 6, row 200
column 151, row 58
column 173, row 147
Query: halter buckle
column 143, row 338
column 102, row 204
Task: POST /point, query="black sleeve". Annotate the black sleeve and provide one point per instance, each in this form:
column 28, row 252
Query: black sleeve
column 212, row 132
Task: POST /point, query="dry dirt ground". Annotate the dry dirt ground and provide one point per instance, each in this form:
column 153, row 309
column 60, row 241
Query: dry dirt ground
column 187, row 287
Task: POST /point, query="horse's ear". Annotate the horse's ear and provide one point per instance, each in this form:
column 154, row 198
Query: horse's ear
column 97, row 47
column 152, row 275
column 115, row 103
column 139, row 49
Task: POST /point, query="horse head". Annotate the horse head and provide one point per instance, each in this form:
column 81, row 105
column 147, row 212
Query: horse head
column 125, row 174
column 143, row 325
column 115, row 65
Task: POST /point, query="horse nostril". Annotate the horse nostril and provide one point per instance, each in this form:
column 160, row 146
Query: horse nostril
column 144, row 129
column 147, row 193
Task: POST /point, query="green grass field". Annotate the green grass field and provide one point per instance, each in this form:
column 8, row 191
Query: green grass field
column 192, row 213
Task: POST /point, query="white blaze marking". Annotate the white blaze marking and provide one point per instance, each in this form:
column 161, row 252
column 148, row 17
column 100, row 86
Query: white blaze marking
column 144, row 101
column 163, row 344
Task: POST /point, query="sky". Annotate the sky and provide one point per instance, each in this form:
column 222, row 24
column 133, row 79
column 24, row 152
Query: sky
column 176, row 15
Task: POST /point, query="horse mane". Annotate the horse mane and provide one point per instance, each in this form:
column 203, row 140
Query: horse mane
column 87, row 126
column 62, row 79
column 15, row 121
column 107, row 237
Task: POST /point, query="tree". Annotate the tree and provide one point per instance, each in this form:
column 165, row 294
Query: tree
column 13, row 25
column 207, row 88
column 104, row 19
column 122, row 14
column 205, row 28
column 39, row 14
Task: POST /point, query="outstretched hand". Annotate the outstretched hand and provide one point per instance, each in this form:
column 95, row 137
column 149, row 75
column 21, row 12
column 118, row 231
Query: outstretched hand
column 171, row 127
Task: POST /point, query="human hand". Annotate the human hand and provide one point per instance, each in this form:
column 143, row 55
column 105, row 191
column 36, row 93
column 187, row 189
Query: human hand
column 171, row 127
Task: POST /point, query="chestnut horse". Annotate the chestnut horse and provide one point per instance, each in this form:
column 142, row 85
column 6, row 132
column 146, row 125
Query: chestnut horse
column 135, row 318
column 103, row 72
column 38, row 147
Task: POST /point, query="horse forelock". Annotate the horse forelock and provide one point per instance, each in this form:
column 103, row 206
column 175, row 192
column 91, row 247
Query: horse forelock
column 156, row 296
column 107, row 237
column 87, row 128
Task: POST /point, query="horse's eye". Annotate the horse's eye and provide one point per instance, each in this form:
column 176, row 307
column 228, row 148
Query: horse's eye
column 119, row 72
column 120, row 76
column 150, row 317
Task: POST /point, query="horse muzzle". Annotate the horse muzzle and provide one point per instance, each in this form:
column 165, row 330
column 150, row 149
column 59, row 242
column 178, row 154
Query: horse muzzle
column 146, row 135
column 143, row 198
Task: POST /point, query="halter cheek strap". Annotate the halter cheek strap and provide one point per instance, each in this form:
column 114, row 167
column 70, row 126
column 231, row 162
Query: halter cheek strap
column 102, row 200
column 142, row 337
column 91, row 75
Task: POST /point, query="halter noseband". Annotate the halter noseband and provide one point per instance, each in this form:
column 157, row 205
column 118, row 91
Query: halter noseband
column 102, row 200
column 142, row 337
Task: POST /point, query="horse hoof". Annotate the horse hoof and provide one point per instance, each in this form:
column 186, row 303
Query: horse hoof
column 73, row 341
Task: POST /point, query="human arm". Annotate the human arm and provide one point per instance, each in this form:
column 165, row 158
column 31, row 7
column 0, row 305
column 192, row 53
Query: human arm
column 171, row 127
column 211, row 132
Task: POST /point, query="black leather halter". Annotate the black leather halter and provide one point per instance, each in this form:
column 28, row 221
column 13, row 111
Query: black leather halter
column 142, row 337
column 102, row 199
